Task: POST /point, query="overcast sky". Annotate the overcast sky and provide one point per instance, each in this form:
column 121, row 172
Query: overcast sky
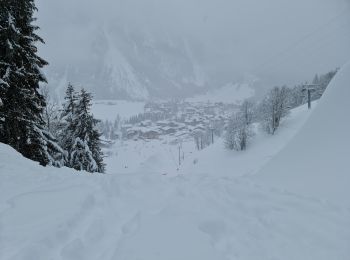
column 281, row 40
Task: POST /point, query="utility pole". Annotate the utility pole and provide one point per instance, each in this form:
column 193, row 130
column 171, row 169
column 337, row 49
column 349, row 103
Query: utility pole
column 181, row 153
column 309, row 88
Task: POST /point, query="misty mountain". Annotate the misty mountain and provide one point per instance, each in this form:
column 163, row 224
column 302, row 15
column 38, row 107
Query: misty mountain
column 167, row 49
column 134, row 64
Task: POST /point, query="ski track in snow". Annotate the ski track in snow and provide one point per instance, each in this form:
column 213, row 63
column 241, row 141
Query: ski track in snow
column 182, row 217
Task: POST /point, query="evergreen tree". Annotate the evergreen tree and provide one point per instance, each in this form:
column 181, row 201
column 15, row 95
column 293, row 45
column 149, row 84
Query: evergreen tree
column 81, row 157
column 66, row 128
column 21, row 122
column 86, row 152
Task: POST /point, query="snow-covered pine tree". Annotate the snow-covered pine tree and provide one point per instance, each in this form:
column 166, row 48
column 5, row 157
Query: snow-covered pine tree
column 4, row 67
column 86, row 152
column 81, row 157
column 21, row 121
column 66, row 129
column 94, row 143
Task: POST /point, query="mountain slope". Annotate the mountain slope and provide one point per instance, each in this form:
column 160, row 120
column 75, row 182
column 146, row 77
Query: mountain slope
column 132, row 64
column 61, row 214
column 316, row 161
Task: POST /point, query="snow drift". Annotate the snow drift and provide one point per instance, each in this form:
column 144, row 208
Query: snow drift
column 316, row 162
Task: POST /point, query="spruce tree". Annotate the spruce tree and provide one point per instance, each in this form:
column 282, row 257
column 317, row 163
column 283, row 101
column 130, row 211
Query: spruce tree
column 86, row 152
column 21, row 123
column 66, row 130
column 81, row 157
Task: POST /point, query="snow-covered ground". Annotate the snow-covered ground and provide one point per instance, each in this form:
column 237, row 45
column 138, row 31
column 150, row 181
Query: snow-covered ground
column 215, row 159
column 221, row 207
column 316, row 162
column 161, row 156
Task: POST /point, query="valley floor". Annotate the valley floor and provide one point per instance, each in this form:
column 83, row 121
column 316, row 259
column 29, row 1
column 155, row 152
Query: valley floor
column 146, row 209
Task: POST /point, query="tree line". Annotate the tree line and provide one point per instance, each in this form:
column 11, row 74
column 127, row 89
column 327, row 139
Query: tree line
column 64, row 137
column 270, row 111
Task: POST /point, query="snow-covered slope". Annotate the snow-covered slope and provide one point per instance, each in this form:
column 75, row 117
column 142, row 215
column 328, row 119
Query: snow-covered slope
column 203, row 212
column 219, row 161
column 59, row 214
column 316, row 162
column 38, row 206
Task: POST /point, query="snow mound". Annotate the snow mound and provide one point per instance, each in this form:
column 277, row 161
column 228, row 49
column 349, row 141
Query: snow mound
column 316, row 162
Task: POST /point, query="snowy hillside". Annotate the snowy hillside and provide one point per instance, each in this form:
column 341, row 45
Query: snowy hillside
column 222, row 162
column 213, row 209
column 174, row 130
column 316, row 161
column 161, row 156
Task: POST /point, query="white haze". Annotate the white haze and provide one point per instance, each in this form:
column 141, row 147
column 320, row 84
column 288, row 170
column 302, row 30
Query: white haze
column 278, row 41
